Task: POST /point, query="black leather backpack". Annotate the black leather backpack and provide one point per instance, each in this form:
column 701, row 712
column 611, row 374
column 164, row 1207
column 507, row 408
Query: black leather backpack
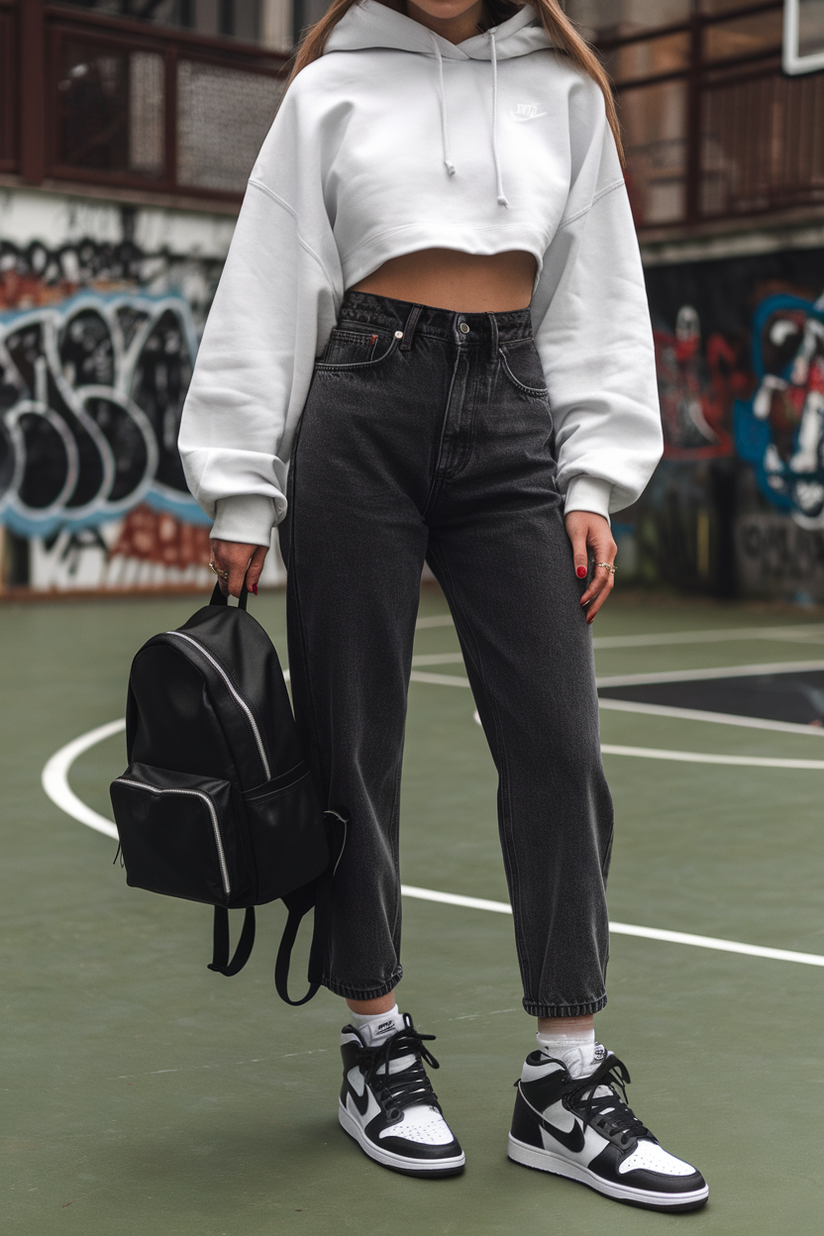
column 217, row 804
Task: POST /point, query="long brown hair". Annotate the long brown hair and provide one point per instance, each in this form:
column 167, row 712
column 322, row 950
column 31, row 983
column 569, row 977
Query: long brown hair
column 560, row 30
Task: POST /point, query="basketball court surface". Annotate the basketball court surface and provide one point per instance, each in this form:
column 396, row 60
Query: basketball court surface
column 144, row 1094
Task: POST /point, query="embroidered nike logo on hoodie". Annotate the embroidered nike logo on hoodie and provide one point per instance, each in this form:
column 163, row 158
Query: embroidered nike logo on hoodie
column 526, row 111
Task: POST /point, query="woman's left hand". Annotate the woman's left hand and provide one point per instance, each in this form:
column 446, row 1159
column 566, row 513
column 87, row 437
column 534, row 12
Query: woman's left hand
column 591, row 539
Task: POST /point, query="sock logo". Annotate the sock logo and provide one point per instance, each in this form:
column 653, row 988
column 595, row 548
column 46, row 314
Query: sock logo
column 384, row 1026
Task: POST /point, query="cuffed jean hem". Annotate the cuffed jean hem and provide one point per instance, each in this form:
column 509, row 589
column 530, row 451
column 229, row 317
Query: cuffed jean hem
column 358, row 993
column 564, row 1010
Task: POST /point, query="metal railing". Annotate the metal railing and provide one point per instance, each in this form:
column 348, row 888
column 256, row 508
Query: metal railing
column 119, row 103
column 713, row 127
column 8, row 88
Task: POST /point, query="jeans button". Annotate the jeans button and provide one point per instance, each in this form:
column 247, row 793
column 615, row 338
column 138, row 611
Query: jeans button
column 464, row 328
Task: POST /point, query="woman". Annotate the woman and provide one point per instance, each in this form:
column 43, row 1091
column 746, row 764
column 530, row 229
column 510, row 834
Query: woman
column 439, row 215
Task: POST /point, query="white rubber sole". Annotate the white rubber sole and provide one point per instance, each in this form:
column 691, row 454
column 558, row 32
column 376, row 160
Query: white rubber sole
column 398, row 1162
column 546, row 1161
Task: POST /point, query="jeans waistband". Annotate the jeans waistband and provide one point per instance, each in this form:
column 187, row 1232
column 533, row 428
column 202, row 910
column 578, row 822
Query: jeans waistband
column 486, row 329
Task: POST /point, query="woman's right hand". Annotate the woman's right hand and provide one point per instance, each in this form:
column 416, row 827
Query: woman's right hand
column 240, row 561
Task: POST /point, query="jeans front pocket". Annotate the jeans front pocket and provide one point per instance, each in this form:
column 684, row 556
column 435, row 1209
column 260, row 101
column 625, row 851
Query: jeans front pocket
column 522, row 366
column 354, row 348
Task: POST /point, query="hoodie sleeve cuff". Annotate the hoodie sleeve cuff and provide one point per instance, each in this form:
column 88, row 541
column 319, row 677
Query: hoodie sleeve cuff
column 247, row 518
column 588, row 493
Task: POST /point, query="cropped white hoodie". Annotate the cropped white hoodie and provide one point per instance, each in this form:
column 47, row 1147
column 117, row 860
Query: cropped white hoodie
column 396, row 140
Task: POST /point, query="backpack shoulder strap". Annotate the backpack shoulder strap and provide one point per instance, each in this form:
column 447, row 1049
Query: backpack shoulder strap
column 298, row 903
column 318, row 893
column 220, row 951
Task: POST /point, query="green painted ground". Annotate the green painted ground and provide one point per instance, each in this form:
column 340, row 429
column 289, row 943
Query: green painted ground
column 143, row 1094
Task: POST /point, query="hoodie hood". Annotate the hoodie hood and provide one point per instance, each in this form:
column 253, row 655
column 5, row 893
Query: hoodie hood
column 372, row 25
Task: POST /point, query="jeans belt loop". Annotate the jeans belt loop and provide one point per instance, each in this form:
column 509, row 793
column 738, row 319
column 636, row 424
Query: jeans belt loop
column 493, row 337
column 409, row 329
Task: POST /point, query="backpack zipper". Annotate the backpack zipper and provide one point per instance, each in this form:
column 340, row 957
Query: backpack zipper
column 239, row 699
column 153, row 789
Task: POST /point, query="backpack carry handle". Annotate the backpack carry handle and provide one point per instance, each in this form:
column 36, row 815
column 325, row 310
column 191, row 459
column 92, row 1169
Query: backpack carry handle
column 218, row 598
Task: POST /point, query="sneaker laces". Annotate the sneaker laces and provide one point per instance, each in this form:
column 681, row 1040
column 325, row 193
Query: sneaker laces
column 606, row 1112
column 409, row 1086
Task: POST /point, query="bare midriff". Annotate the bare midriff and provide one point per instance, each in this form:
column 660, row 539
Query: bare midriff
column 462, row 282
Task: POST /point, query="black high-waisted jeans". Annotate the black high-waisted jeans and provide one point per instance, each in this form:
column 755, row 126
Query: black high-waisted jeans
column 427, row 435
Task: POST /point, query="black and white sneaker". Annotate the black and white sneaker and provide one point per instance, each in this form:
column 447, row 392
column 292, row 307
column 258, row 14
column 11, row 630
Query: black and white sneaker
column 387, row 1102
column 581, row 1128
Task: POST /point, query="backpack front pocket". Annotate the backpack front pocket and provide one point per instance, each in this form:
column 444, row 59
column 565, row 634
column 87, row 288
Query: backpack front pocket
column 178, row 835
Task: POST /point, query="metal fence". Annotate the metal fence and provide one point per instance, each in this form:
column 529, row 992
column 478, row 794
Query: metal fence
column 118, row 103
column 713, row 128
column 8, row 89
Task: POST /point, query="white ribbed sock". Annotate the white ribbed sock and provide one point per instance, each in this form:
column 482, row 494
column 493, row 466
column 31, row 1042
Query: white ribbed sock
column 359, row 1020
column 577, row 1049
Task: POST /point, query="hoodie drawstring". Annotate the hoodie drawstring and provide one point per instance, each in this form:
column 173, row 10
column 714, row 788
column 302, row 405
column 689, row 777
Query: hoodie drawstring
column 447, row 159
column 450, row 166
column 502, row 199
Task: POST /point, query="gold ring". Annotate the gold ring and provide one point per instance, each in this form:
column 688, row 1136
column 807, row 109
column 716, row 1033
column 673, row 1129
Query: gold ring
column 220, row 574
column 608, row 565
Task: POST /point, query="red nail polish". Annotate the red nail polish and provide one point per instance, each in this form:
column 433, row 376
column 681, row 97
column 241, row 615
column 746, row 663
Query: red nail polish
column 253, row 589
column 581, row 572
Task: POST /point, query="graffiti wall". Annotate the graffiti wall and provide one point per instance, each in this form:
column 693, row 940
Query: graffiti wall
column 737, row 505
column 101, row 310
column 97, row 343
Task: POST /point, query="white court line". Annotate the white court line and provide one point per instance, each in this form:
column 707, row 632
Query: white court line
column 658, row 710
column 55, row 782
column 700, row 757
column 659, row 676
column 439, row 658
column 456, row 899
column 812, row 630
column 55, row 777
column 718, row 718
column 718, row 671
column 629, row 929
column 445, row 680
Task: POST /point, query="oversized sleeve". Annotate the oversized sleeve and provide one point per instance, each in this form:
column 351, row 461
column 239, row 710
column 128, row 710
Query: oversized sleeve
column 272, row 313
column 593, row 333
